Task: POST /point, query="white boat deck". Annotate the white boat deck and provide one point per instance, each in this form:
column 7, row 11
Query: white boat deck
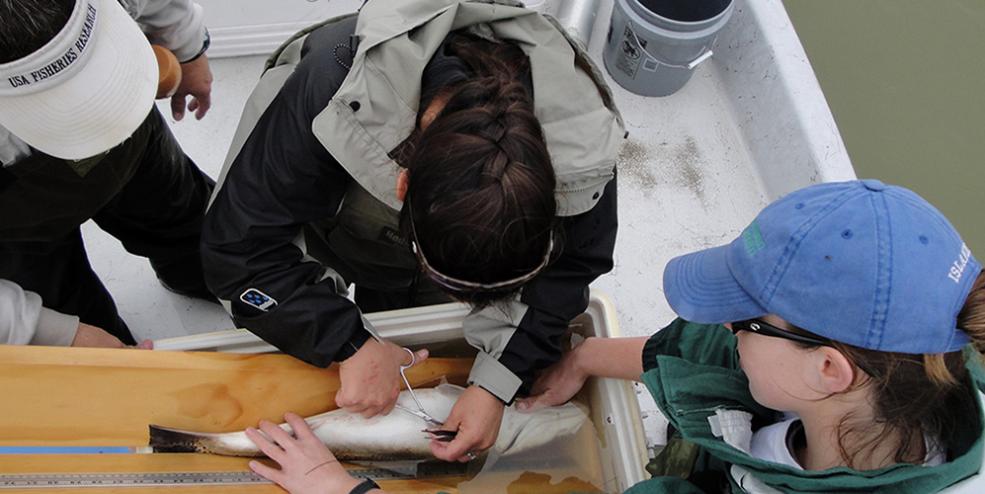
column 751, row 125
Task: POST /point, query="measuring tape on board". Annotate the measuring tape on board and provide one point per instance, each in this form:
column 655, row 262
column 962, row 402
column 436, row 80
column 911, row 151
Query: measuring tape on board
column 160, row 479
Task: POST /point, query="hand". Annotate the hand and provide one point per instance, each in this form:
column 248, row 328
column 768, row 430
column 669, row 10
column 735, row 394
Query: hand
column 476, row 416
column 196, row 81
column 371, row 378
column 306, row 465
column 556, row 385
column 91, row 336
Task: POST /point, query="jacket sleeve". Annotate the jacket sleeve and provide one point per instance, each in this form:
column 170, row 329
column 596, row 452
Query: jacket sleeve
column 253, row 240
column 178, row 25
column 23, row 320
column 516, row 343
column 705, row 344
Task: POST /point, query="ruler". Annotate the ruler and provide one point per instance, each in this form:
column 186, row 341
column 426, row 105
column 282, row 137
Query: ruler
column 159, row 479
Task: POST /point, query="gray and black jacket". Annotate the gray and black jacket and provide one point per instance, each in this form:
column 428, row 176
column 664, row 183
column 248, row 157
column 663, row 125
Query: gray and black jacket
column 306, row 201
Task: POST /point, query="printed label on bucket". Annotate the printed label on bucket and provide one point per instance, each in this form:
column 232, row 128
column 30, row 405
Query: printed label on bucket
column 628, row 61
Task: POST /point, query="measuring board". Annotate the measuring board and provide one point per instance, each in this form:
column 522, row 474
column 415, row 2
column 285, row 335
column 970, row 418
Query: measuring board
column 161, row 479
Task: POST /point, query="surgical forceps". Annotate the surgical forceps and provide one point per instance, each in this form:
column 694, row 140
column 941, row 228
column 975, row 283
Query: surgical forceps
column 433, row 423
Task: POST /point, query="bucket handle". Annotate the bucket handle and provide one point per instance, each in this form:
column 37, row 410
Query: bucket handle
column 689, row 66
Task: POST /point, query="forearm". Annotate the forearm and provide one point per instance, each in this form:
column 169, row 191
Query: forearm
column 619, row 358
column 23, row 320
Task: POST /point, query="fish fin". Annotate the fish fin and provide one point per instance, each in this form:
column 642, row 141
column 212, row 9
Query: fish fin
column 165, row 440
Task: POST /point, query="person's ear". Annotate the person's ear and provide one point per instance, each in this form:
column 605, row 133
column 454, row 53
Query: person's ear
column 835, row 372
column 403, row 180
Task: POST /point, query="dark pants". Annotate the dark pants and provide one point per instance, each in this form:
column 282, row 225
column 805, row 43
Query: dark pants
column 145, row 192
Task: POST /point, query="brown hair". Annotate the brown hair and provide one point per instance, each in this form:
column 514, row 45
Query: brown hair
column 30, row 24
column 915, row 394
column 481, row 185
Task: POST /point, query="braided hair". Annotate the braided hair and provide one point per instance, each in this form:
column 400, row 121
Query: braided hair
column 481, row 179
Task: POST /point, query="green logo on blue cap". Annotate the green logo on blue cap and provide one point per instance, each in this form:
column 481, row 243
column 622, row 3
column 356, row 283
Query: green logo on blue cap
column 753, row 239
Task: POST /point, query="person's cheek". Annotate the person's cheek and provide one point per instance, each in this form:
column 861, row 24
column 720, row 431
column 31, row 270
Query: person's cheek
column 752, row 366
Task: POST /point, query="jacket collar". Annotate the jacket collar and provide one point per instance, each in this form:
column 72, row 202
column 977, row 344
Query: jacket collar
column 712, row 408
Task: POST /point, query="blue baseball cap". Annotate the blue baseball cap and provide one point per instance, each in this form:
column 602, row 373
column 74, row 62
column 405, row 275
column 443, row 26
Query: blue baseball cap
column 863, row 263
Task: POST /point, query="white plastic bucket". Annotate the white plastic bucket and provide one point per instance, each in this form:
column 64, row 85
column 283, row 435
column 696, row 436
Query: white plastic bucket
column 653, row 46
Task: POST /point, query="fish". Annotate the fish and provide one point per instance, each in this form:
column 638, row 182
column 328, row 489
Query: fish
column 397, row 436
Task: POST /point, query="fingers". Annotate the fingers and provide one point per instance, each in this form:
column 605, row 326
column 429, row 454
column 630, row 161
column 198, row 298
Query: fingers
column 369, row 405
column 301, row 429
column 534, row 403
column 372, row 411
column 455, row 449
column 278, row 435
column 146, row 345
column 268, row 448
column 341, row 399
column 266, row 472
column 451, row 451
column 388, row 407
column 420, row 356
column 349, row 403
column 527, row 405
column 178, row 106
column 201, row 104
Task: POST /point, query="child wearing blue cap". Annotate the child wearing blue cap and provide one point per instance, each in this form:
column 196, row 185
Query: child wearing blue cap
column 834, row 346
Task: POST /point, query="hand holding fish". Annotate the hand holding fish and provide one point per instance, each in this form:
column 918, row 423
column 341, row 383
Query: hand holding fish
column 306, row 464
column 476, row 416
column 557, row 384
column 371, row 378
column 616, row 358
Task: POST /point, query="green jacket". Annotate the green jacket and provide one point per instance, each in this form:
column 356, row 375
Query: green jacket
column 693, row 373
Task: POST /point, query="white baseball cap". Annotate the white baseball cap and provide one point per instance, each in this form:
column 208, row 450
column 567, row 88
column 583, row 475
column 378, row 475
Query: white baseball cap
column 85, row 91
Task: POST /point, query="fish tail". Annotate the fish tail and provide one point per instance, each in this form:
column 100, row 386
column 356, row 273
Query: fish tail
column 165, row 440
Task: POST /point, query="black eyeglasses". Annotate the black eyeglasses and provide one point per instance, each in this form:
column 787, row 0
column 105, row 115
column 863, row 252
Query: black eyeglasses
column 766, row 329
column 464, row 286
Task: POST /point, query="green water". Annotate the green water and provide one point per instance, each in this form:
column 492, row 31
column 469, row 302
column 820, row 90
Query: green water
column 905, row 80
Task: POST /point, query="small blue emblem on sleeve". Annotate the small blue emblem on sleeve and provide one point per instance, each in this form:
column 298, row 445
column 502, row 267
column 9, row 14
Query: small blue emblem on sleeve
column 258, row 299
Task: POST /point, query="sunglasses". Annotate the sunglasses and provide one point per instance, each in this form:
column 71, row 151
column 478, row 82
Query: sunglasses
column 767, row 329
column 760, row 327
column 464, row 286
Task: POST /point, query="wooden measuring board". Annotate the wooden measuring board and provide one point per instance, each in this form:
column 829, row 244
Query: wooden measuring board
column 107, row 397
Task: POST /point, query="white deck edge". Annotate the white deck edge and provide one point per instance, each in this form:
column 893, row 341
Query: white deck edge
column 260, row 39
column 764, row 66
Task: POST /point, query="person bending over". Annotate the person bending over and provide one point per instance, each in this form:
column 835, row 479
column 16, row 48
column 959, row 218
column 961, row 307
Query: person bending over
column 422, row 165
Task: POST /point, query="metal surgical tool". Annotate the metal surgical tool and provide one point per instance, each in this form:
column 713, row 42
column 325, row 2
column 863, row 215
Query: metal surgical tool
column 433, row 423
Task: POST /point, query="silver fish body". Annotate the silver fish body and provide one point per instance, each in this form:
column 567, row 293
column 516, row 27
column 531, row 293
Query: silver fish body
column 397, row 436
